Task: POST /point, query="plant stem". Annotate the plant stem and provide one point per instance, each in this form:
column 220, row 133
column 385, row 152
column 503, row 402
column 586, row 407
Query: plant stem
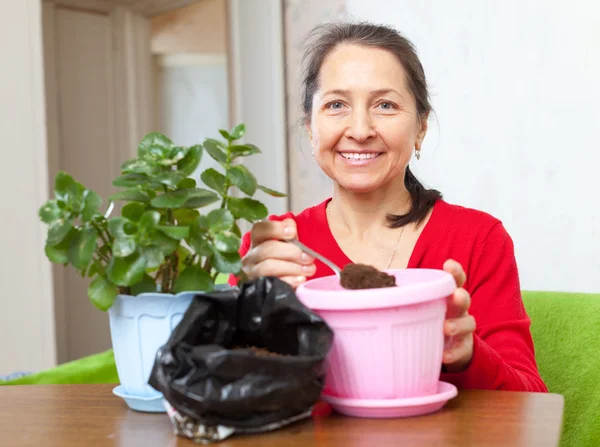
column 227, row 182
column 170, row 217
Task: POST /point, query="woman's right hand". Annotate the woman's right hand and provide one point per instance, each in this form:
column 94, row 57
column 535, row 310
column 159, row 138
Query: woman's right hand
column 269, row 255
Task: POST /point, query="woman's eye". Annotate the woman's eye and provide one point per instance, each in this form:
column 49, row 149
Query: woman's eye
column 336, row 105
column 386, row 105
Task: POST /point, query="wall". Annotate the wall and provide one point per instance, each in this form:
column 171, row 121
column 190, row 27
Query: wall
column 98, row 107
column 198, row 28
column 515, row 87
column 258, row 90
column 308, row 184
column 27, row 317
column 190, row 60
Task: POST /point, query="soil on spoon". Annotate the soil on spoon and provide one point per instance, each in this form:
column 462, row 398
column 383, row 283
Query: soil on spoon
column 361, row 276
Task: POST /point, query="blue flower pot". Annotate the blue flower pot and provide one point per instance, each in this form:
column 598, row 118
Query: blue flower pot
column 139, row 326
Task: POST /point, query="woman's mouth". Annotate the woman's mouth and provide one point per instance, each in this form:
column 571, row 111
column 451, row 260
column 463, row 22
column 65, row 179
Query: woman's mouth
column 359, row 158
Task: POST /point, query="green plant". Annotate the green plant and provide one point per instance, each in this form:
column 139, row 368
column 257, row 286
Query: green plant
column 160, row 241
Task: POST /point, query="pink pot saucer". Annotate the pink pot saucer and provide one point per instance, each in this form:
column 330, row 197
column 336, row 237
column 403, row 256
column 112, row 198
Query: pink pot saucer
column 393, row 408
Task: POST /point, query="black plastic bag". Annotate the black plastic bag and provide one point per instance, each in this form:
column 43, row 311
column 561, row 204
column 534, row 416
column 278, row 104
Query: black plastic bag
column 209, row 381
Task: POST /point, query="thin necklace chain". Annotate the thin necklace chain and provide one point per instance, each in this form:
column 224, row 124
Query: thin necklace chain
column 328, row 212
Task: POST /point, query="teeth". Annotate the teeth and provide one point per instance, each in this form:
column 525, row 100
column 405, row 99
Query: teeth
column 358, row 156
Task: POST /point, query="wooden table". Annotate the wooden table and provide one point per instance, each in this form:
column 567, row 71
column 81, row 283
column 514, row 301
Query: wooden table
column 89, row 415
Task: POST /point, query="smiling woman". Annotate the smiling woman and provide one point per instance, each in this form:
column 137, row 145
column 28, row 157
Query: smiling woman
column 366, row 106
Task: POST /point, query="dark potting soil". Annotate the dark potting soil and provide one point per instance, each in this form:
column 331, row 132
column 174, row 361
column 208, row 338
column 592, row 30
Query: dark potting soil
column 259, row 352
column 361, row 276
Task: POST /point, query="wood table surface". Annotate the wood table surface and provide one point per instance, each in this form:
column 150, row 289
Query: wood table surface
column 90, row 415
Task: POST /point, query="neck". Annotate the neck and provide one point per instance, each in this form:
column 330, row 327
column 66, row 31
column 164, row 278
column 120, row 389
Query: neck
column 363, row 213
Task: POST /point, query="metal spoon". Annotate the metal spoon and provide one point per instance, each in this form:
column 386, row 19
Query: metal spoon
column 316, row 255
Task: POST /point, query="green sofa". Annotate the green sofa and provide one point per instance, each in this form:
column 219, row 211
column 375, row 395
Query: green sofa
column 565, row 329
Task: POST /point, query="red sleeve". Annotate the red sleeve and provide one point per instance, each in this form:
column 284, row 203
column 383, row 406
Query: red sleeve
column 503, row 352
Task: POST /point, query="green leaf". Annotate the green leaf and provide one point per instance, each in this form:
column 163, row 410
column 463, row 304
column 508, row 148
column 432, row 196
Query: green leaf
column 133, row 211
column 238, row 131
column 131, row 195
column 81, row 248
column 187, row 183
column 154, row 256
column 155, row 146
column 117, row 227
column 197, row 238
column 59, row 254
column 147, row 285
column 127, row 271
column 227, row 262
column 102, row 293
column 149, row 220
column 174, row 232
column 131, row 180
column 139, row 166
column 175, row 155
column 123, row 247
column 95, row 268
column 243, row 150
column 227, row 243
column 249, row 209
column 183, row 254
column 166, row 244
column 241, row 177
column 69, row 191
column 172, row 199
column 185, row 216
column 200, row 199
column 214, row 180
column 216, row 150
column 169, row 178
column 220, row 220
column 193, row 279
column 58, row 230
column 271, row 192
column 225, row 135
column 236, row 230
column 91, row 205
column 191, row 161
column 50, row 211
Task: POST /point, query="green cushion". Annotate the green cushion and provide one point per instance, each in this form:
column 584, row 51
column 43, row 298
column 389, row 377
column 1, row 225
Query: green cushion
column 97, row 368
column 565, row 329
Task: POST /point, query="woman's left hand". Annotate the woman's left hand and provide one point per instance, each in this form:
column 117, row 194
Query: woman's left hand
column 459, row 325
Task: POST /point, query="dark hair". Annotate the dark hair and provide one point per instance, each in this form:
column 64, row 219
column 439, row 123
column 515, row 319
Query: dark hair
column 323, row 39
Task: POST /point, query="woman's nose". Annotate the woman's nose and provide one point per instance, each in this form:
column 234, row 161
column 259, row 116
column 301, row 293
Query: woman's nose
column 360, row 127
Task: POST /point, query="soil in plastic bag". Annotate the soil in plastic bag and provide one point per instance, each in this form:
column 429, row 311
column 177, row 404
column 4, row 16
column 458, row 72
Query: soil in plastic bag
column 203, row 373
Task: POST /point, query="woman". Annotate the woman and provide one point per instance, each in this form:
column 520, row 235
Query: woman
column 366, row 106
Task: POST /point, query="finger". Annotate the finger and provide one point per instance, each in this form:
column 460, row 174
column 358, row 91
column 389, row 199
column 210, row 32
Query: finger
column 460, row 351
column 456, row 270
column 294, row 281
column 458, row 327
column 458, row 303
column 274, row 249
column 280, row 269
column 269, row 229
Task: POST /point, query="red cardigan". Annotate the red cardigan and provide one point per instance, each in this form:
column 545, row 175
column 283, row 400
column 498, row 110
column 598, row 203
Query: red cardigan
column 503, row 353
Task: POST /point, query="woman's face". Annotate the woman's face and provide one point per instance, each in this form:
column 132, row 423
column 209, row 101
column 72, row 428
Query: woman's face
column 364, row 124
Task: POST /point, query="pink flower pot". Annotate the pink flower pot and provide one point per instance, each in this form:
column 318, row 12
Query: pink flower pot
column 388, row 342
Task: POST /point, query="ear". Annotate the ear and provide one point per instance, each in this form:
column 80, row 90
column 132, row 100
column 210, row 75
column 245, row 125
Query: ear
column 308, row 130
column 422, row 131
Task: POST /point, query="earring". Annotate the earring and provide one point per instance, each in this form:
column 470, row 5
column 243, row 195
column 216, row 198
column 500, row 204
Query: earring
column 418, row 154
column 313, row 153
